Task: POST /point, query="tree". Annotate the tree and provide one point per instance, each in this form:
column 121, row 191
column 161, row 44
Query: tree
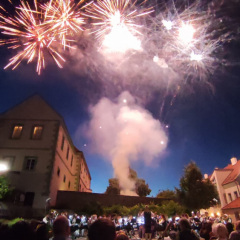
column 171, row 208
column 167, row 194
column 195, row 192
column 141, row 187
column 4, row 187
column 113, row 187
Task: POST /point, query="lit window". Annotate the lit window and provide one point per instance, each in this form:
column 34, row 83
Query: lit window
column 63, row 140
column 17, row 131
column 30, row 163
column 67, row 153
column 37, row 132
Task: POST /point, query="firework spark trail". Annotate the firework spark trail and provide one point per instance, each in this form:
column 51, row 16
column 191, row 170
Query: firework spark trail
column 28, row 34
column 64, row 18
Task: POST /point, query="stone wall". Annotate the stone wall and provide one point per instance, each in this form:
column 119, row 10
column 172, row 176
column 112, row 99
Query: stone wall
column 76, row 200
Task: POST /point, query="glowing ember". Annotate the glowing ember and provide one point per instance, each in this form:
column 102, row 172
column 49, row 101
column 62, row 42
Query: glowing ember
column 167, row 24
column 196, row 57
column 186, row 33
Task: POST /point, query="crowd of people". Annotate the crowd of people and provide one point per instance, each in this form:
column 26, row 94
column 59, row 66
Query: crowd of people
column 147, row 225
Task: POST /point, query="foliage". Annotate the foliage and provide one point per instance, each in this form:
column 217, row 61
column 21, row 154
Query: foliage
column 15, row 220
column 4, row 187
column 171, row 208
column 113, row 188
column 142, row 189
column 169, row 194
column 194, row 192
column 135, row 209
column 116, row 210
column 125, row 211
column 155, row 208
column 92, row 208
column 132, row 174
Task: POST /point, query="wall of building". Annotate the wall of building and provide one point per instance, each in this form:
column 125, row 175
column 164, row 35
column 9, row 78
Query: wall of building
column 220, row 176
column 85, row 181
column 230, row 189
column 77, row 200
column 44, row 180
column 26, row 141
column 233, row 214
column 64, row 175
column 15, row 151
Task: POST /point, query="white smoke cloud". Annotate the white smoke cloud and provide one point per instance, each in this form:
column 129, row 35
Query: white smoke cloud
column 123, row 132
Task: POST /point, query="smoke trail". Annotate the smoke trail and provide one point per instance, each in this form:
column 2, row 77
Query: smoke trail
column 123, row 132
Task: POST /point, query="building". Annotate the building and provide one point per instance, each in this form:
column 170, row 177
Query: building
column 40, row 155
column 84, row 177
column 227, row 181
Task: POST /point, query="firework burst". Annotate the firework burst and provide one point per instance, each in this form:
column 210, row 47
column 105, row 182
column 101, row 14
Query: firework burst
column 184, row 40
column 64, row 19
column 26, row 32
column 115, row 24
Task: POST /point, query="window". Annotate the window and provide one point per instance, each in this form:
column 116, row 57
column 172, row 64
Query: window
column 67, row 153
column 63, row 140
column 230, row 197
column 237, row 215
column 72, row 161
column 225, row 198
column 69, row 184
column 64, row 178
column 58, row 172
column 29, row 198
column 37, row 132
column 17, row 131
column 236, row 194
column 30, row 163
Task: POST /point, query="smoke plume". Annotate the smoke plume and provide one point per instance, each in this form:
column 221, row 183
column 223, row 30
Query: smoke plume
column 123, row 132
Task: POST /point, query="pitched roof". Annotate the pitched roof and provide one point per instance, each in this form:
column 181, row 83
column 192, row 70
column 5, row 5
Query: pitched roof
column 233, row 204
column 32, row 108
column 235, row 171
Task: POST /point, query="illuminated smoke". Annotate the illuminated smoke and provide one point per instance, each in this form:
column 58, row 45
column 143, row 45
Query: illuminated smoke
column 124, row 132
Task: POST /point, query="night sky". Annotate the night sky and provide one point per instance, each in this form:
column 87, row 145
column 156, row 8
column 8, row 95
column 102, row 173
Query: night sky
column 204, row 121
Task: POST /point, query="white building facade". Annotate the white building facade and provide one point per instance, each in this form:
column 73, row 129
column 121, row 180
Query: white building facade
column 227, row 181
column 40, row 155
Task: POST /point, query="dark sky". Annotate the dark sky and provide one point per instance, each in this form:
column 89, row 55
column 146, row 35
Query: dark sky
column 203, row 122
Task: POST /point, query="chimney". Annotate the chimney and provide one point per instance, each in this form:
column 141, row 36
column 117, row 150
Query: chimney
column 234, row 160
column 205, row 176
